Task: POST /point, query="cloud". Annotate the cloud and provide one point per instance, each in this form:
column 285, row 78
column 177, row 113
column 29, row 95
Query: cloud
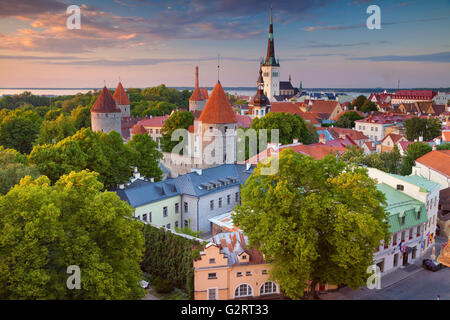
column 363, row 25
column 30, row 8
column 441, row 57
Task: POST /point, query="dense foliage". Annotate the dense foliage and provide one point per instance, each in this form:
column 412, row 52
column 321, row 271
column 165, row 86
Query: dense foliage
column 44, row 229
column 170, row 256
column 347, row 120
column 317, row 221
column 415, row 150
column 426, row 128
column 99, row 152
column 363, row 104
column 13, row 167
column 386, row 161
column 178, row 120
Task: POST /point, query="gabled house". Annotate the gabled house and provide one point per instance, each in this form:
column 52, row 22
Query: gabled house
column 389, row 141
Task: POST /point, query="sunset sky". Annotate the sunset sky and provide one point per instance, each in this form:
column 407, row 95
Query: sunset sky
column 324, row 43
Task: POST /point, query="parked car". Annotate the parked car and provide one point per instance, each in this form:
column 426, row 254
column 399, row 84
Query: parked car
column 431, row 265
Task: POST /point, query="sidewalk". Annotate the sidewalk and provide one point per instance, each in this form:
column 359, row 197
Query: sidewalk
column 387, row 280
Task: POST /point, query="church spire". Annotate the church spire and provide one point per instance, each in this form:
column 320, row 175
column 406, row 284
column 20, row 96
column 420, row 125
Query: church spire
column 270, row 57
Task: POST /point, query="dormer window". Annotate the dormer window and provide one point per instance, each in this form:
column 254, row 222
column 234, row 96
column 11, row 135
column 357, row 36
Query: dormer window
column 212, row 260
column 400, row 187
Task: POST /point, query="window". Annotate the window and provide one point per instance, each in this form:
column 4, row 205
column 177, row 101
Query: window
column 403, row 235
column 400, row 187
column 244, row 290
column 165, row 212
column 244, row 257
column 395, row 259
column 212, row 275
column 212, row 260
column 220, row 202
column 268, row 288
column 211, row 204
column 210, row 129
column 168, row 226
column 176, row 224
column 248, row 273
column 186, row 223
column 185, row 207
column 238, row 274
column 402, row 221
column 144, row 217
column 237, row 197
column 151, row 130
column 228, row 199
column 177, row 208
column 264, row 272
column 212, row 293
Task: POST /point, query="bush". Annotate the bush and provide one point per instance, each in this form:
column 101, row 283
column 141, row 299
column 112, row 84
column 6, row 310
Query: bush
column 162, row 285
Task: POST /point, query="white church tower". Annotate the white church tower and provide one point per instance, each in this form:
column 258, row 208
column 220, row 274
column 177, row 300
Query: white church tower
column 271, row 68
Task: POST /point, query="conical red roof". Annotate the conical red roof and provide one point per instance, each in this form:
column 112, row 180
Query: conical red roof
column 120, row 96
column 196, row 95
column 105, row 103
column 218, row 109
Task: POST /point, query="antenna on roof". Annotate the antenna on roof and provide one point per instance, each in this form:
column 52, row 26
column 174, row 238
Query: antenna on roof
column 104, row 83
column 218, row 67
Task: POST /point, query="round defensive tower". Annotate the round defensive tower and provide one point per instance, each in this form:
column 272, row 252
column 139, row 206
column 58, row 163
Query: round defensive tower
column 105, row 115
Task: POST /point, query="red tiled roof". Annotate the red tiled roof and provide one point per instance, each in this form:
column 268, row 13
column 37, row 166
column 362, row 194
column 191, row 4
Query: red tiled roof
column 243, row 121
column 138, row 129
column 218, row 109
column 105, row 103
column 394, row 137
column 120, row 96
column 155, row 121
column 404, row 144
column 415, row 94
column 196, row 95
column 446, row 136
column 371, row 145
column 323, row 106
column 317, row 151
column 437, row 160
column 354, row 134
column 288, row 107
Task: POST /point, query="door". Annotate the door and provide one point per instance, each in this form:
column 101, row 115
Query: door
column 405, row 259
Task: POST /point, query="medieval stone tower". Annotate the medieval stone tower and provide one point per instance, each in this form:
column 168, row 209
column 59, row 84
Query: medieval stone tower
column 105, row 115
column 217, row 121
column 122, row 100
column 271, row 67
column 199, row 96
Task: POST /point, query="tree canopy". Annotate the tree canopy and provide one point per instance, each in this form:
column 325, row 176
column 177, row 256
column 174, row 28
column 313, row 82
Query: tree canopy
column 178, row 120
column 13, row 167
column 44, row 229
column 291, row 127
column 147, row 155
column 415, row 150
column 426, row 128
column 347, row 120
column 314, row 221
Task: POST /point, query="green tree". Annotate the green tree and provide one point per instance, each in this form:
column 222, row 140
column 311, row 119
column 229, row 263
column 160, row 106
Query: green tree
column 13, row 167
column 443, row 146
column 359, row 101
column 18, row 129
column 44, row 229
column 368, row 106
column 96, row 151
column 314, row 221
column 178, row 120
column 53, row 131
column 147, row 156
column 415, row 150
column 82, row 117
column 347, row 120
column 426, row 128
column 291, row 127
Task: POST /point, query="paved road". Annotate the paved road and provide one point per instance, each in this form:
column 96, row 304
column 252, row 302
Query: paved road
column 423, row 285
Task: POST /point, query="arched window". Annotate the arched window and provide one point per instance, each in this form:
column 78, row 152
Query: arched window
column 268, row 288
column 244, row 290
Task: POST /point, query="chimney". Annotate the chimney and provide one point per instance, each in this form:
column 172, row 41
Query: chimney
column 121, row 186
column 295, row 141
column 196, row 76
column 198, row 171
column 248, row 166
column 420, row 139
column 152, row 179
